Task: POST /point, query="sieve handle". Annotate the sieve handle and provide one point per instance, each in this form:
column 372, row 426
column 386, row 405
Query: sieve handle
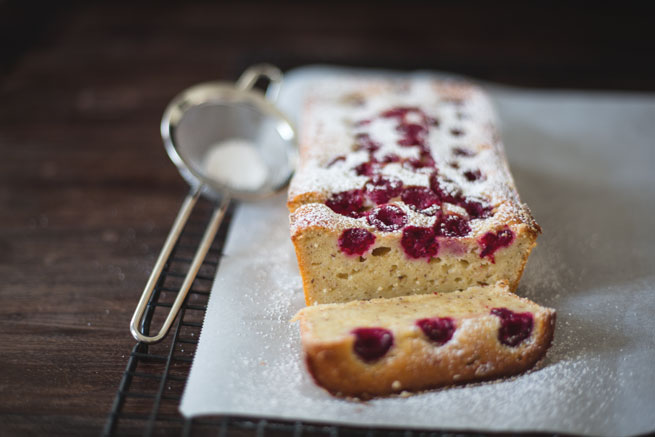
column 199, row 257
column 249, row 77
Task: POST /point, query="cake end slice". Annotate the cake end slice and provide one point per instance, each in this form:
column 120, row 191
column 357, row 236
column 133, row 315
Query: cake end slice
column 381, row 347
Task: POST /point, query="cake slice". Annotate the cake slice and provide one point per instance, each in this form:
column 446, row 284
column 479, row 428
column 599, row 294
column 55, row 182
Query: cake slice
column 403, row 188
column 385, row 346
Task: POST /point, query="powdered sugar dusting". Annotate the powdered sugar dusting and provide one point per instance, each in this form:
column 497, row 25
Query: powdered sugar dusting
column 331, row 126
column 403, row 129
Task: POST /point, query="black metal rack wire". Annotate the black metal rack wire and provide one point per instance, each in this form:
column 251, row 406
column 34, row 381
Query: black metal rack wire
column 151, row 387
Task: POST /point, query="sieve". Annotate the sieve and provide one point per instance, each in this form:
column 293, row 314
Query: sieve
column 196, row 123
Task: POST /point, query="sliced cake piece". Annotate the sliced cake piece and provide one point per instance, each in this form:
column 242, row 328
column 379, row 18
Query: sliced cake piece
column 403, row 188
column 385, row 346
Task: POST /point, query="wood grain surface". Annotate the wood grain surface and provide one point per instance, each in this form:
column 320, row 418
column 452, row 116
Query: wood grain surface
column 87, row 193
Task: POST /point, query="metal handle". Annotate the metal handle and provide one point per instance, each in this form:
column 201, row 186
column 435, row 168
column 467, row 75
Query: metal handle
column 249, row 77
column 207, row 239
column 247, row 80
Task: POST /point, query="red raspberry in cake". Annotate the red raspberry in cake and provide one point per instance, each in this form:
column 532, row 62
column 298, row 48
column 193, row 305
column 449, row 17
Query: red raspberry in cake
column 365, row 142
column 399, row 112
column 448, row 191
column 391, row 157
column 445, row 189
column 491, row 242
column 381, row 189
column 424, row 160
column 476, row 209
column 411, row 129
column 413, row 134
column 514, row 327
column 371, row 344
column 419, row 242
column 452, row 225
column 473, row 175
column 347, row 203
column 438, row 329
column 355, row 241
column 387, row 218
column 419, row 198
column 367, row 168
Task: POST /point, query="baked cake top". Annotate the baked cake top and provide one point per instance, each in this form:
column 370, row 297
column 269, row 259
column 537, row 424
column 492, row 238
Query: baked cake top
column 384, row 154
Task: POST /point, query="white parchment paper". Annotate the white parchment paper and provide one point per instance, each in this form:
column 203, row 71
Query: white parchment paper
column 584, row 162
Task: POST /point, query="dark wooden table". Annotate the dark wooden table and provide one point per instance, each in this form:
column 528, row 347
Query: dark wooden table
column 87, row 193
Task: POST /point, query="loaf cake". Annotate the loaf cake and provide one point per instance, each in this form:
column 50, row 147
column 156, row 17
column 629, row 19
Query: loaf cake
column 409, row 343
column 403, row 188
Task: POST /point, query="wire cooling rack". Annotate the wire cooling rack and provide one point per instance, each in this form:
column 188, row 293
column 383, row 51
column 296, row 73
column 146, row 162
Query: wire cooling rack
column 149, row 393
